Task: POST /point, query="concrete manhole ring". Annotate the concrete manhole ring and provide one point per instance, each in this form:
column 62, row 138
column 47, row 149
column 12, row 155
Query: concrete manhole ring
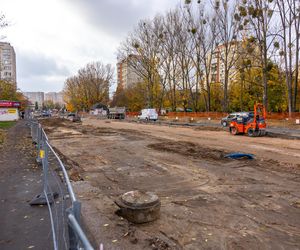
column 138, row 206
column 139, row 199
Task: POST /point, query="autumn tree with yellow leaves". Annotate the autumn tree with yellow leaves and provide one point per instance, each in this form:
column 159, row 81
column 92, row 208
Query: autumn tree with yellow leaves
column 89, row 86
column 8, row 91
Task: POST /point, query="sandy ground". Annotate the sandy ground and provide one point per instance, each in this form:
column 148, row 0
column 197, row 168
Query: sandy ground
column 208, row 202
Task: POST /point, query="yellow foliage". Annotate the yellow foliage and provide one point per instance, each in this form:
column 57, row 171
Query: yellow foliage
column 70, row 107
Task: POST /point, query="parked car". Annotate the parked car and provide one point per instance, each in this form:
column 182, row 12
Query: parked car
column 73, row 117
column 148, row 114
column 46, row 113
column 233, row 116
column 37, row 114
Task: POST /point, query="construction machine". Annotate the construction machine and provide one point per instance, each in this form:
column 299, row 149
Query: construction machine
column 252, row 125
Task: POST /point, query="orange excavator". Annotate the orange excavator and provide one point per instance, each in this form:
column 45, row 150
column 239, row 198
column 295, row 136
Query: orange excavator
column 252, row 125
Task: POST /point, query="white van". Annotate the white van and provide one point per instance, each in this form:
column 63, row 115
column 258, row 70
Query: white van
column 148, row 114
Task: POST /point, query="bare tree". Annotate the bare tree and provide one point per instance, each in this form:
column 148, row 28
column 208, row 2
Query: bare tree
column 289, row 17
column 184, row 60
column 260, row 15
column 296, row 14
column 229, row 25
column 141, row 52
column 170, row 55
column 203, row 36
column 3, row 23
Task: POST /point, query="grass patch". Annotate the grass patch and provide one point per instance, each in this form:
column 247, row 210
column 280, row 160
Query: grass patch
column 6, row 125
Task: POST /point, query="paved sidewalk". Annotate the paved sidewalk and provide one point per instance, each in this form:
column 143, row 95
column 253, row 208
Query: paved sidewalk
column 22, row 226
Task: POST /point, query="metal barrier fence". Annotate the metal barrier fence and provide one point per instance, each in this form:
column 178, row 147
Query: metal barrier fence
column 58, row 195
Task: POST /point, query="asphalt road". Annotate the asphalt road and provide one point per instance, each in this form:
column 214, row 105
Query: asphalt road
column 22, row 226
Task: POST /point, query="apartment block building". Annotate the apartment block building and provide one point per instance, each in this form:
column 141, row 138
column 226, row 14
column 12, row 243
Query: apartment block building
column 239, row 52
column 55, row 97
column 127, row 72
column 8, row 63
column 217, row 73
column 34, row 97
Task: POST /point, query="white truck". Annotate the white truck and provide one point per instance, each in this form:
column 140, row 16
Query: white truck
column 116, row 113
column 148, row 114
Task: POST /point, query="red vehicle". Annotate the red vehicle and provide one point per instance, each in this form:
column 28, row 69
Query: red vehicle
column 253, row 126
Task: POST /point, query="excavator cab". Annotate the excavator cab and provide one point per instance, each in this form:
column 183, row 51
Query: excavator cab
column 253, row 126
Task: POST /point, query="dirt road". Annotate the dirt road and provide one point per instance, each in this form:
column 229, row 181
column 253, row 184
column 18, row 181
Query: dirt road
column 208, row 202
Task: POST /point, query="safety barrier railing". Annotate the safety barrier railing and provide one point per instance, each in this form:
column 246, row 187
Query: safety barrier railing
column 58, row 195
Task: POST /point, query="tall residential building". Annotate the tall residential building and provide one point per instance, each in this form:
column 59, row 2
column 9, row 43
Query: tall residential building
column 127, row 73
column 8, row 63
column 240, row 52
column 34, row 97
column 55, row 97
column 217, row 73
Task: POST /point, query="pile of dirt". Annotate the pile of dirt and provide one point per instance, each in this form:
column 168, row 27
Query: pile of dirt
column 50, row 125
column 55, row 122
column 73, row 168
column 189, row 149
column 104, row 131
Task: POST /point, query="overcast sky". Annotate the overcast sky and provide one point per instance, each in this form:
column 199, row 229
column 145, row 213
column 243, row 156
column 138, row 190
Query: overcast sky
column 54, row 38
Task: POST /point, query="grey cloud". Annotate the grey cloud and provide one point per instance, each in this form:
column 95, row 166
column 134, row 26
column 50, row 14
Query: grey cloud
column 33, row 64
column 116, row 17
column 40, row 83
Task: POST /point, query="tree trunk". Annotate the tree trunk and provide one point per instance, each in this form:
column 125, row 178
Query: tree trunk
column 225, row 104
column 290, row 96
column 296, row 88
column 208, row 100
column 296, row 75
column 265, row 74
column 265, row 93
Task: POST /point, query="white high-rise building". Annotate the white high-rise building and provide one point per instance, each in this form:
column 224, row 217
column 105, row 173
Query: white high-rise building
column 55, row 97
column 127, row 73
column 8, row 63
column 34, row 97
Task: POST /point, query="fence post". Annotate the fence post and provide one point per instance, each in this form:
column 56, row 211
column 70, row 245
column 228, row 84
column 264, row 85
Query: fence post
column 45, row 163
column 73, row 238
column 39, row 139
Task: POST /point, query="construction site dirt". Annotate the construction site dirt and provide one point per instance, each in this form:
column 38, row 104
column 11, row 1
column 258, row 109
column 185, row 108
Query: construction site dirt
column 207, row 201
